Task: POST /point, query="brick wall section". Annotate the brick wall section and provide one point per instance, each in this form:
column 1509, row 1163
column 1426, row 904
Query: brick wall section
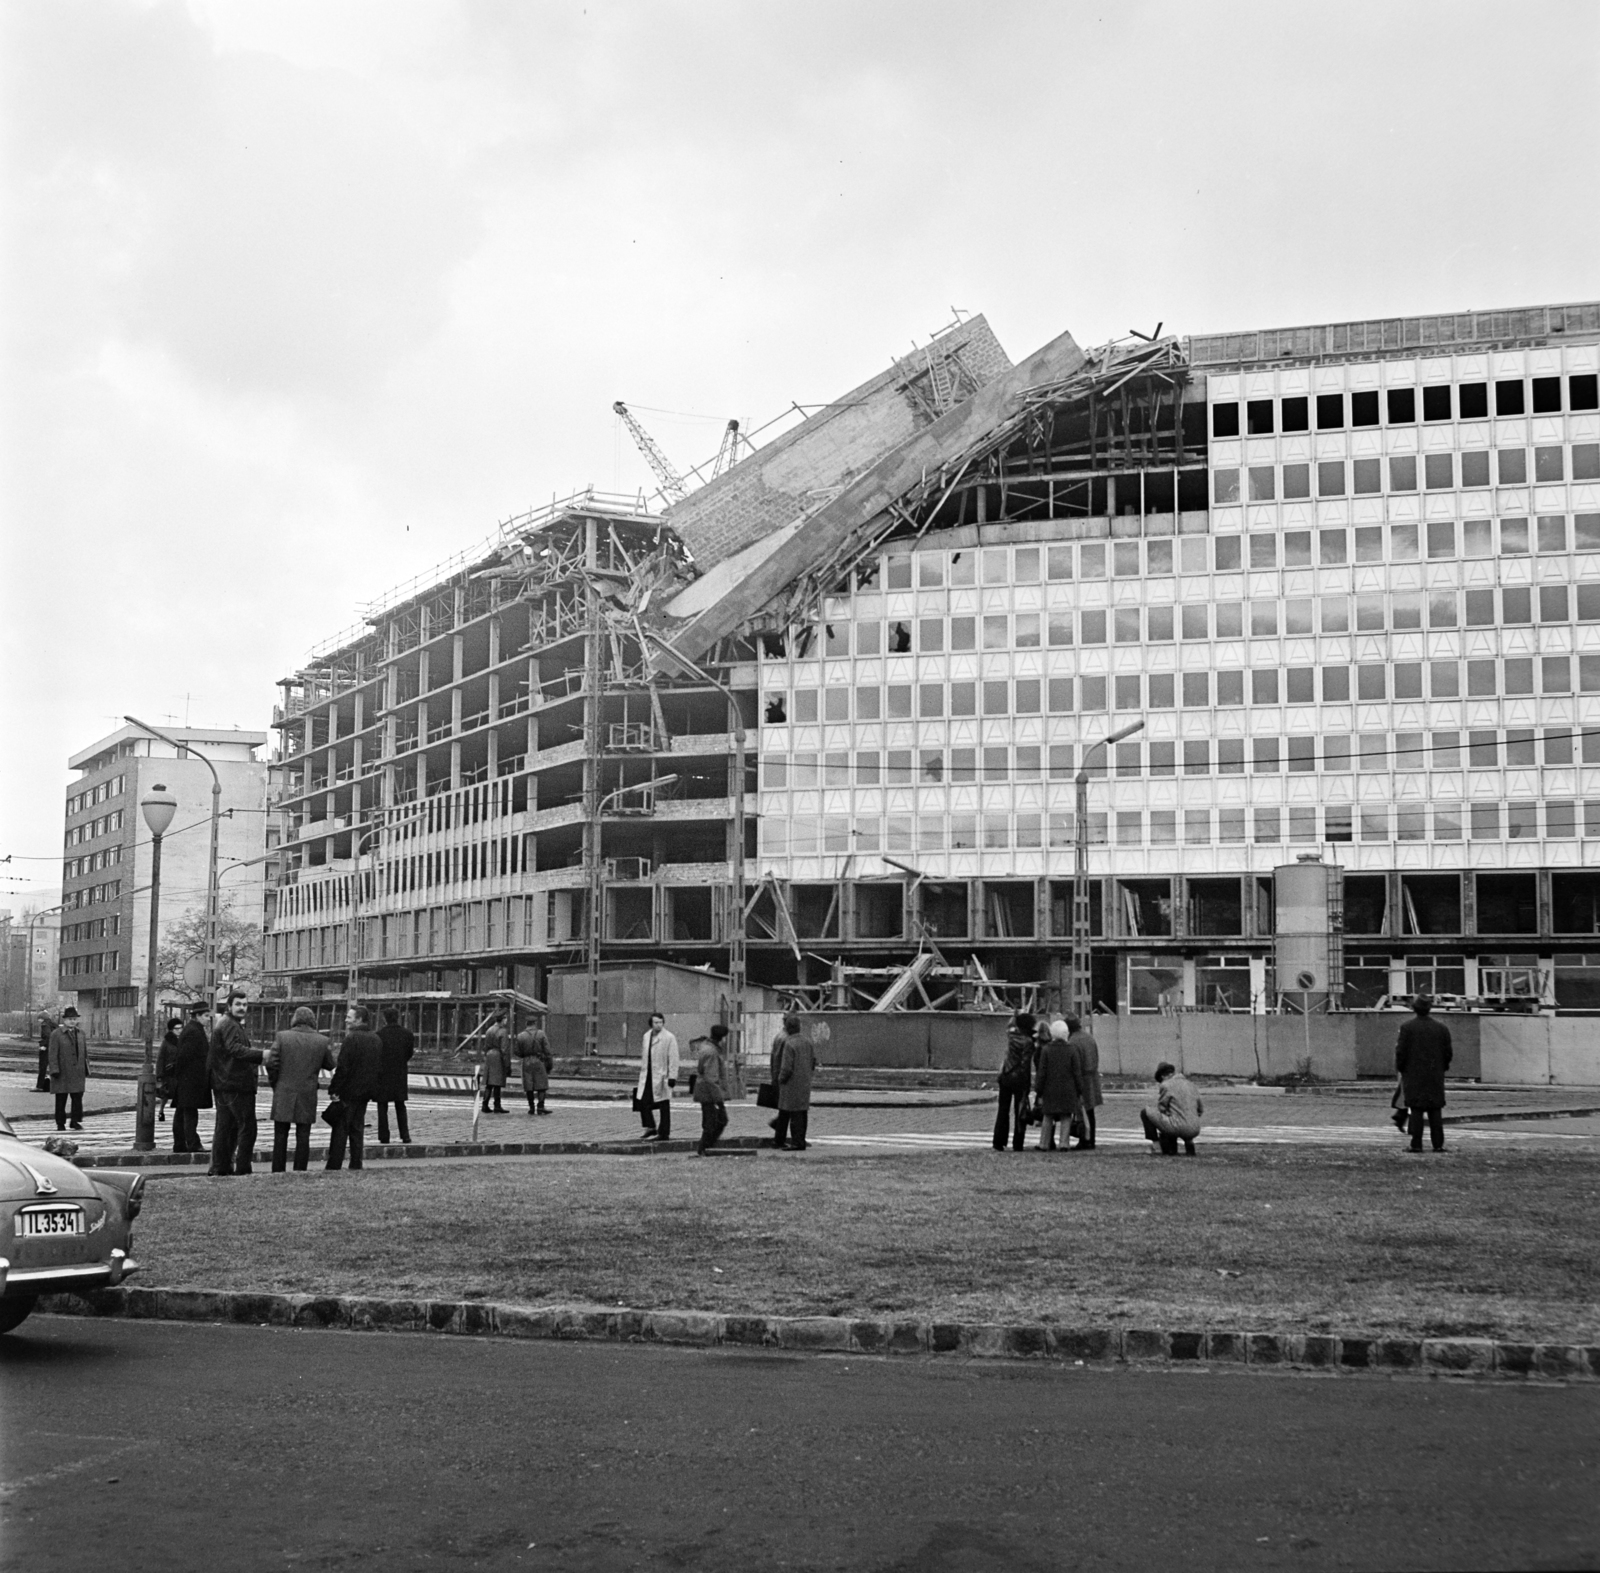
column 768, row 490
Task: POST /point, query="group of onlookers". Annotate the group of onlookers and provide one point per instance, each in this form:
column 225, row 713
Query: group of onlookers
column 1056, row 1064
column 1051, row 1077
column 219, row 1067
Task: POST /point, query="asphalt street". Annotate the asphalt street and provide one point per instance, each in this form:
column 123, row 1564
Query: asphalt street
column 162, row 1446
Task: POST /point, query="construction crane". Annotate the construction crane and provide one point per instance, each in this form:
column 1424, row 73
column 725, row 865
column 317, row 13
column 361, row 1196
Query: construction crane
column 728, row 453
column 671, row 482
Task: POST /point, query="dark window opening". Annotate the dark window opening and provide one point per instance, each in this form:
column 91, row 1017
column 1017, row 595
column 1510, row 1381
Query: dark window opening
column 1297, row 414
column 777, row 710
column 1583, row 392
column 1508, row 903
column 1472, row 399
column 691, row 912
column 1432, row 903
column 1215, row 907
column 1258, row 417
column 1364, row 408
column 1436, row 403
column 1366, row 904
column 1224, row 420
column 1061, row 908
column 1330, row 411
column 1008, row 910
column 1508, row 398
column 632, row 911
column 1366, row 981
column 944, row 910
column 1147, row 906
column 899, row 638
column 1193, row 494
column 815, row 910
column 1546, row 395
column 1402, row 406
column 1574, row 904
column 880, row 911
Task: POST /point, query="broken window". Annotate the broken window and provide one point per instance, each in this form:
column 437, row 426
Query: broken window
column 777, row 709
column 899, row 638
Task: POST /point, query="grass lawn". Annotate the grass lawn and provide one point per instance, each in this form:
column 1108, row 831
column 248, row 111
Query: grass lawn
column 1473, row 1243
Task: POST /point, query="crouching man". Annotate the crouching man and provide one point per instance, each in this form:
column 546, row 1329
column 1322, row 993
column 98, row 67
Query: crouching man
column 1176, row 1116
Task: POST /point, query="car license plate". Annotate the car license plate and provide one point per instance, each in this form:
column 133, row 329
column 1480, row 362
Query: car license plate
column 38, row 1222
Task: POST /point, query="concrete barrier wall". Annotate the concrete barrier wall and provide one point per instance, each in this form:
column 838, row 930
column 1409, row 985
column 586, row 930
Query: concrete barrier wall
column 912, row 1039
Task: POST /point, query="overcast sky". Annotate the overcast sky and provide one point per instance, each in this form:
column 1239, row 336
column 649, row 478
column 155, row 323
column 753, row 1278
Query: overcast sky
column 302, row 296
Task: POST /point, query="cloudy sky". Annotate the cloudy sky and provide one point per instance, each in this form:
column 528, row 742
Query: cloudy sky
column 302, row 296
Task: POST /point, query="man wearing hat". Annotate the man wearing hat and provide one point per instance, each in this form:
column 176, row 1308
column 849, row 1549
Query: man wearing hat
column 191, row 1081
column 68, row 1064
column 1422, row 1055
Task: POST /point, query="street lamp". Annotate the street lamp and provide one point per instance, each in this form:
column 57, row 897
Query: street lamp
column 591, row 1024
column 1082, row 994
column 158, row 809
column 211, row 878
column 736, row 935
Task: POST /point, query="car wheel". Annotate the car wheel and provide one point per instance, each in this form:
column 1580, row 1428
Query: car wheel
column 14, row 1312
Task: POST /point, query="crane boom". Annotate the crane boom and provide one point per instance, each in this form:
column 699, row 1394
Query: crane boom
column 728, row 453
column 671, row 481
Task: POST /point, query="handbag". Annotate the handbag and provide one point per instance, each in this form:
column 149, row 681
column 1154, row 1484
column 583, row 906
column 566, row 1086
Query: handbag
column 333, row 1112
column 767, row 1095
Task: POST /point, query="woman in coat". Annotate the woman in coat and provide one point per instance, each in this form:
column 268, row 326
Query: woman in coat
column 293, row 1062
column 1089, row 1070
column 191, row 1084
column 496, row 1063
column 795, row 1067
column 1059, row 1082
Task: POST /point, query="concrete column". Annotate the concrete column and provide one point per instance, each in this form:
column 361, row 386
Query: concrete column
column 1396, row 904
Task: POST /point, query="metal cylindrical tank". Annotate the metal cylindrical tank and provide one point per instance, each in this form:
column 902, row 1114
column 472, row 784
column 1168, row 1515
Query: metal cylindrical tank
column 1302, row 904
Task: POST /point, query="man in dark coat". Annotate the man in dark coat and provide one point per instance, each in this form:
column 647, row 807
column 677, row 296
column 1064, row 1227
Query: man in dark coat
column 235, row 1066
column 399, row 1043
column 68, row 1063
column 1422, row 1055
column 191, row 1082
column 355, row 1080
column 1083, row 1041
column 796, row 1064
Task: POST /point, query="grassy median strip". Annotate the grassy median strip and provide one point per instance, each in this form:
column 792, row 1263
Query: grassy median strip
column 1469, row 1244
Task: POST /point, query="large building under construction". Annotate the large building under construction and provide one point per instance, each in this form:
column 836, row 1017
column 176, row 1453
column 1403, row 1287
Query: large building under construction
column 1346, row 577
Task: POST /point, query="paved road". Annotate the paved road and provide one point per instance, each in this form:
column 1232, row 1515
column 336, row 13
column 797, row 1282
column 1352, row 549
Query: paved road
column 245, row 1448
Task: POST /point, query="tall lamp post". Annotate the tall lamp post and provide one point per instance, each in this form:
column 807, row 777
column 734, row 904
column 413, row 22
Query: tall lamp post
column 158, row 809
column 1082, row 993
column 211, row 878
column 736, row 936
column 27, row 982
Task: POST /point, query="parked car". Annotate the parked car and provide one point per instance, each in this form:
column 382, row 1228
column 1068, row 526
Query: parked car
column 62, row 1229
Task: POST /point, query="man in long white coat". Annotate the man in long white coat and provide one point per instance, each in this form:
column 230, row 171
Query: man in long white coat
column 658, row 1075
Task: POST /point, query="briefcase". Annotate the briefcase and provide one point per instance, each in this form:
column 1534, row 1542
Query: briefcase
column 767, row 1095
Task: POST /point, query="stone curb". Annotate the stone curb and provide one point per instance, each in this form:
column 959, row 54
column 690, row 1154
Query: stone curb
column 883, row 1336
column 395, row 1151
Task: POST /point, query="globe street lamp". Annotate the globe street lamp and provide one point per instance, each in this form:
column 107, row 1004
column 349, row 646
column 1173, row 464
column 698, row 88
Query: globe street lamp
column 158, row 808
